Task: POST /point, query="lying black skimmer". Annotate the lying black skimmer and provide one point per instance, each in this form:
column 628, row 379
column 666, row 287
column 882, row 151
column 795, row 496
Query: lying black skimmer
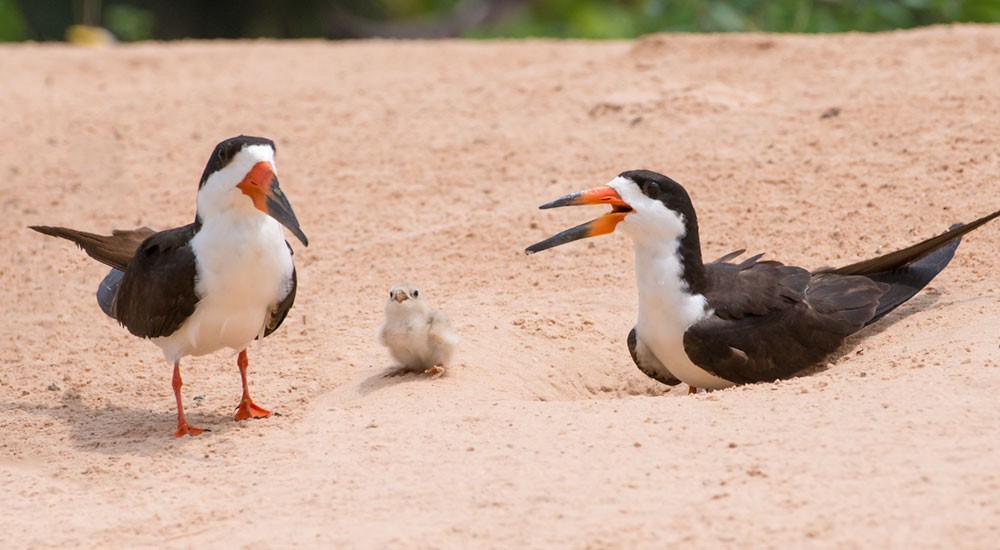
column 719, row 324
column 221, row 281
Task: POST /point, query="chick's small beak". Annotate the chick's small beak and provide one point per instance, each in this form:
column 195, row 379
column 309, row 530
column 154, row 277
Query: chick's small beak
column 400, row 296
column 261, row 185
column 601, row 226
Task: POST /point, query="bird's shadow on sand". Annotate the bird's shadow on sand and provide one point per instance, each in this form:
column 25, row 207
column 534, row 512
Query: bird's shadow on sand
column 392, row 377
column 116, row 430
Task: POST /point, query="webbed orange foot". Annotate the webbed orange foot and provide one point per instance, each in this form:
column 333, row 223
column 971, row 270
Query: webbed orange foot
column 248, row 409
column 183, row 428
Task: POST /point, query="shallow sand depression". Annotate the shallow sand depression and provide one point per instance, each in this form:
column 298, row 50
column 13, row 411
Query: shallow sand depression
column 426, row 161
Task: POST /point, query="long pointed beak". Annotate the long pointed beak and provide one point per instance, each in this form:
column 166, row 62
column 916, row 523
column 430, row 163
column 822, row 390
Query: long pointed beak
column 601, row 226
column 261, row 185
column 279, row 209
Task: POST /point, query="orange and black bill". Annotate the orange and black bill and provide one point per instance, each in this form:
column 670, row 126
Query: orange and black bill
column 601, row 226
column 261, row 185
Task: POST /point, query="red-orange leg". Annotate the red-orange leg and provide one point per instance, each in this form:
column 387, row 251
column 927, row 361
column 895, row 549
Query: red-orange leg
column 247, row 408
column 183, row 428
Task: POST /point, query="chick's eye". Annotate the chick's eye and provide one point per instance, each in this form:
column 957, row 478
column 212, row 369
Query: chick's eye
column 651, row 189
column 416, row 293
column 391, row 294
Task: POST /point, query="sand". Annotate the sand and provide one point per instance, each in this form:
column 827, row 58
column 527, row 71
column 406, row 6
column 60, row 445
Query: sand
column 426, row 161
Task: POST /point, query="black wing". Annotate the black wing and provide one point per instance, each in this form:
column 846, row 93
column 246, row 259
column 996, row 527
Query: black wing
column 772, row 321
column 647, row 362
column 156, row 294
column 280, row 311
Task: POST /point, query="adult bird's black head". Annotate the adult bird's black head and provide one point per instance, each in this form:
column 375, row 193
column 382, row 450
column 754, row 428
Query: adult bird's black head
column 651, row 208
column 240, row 178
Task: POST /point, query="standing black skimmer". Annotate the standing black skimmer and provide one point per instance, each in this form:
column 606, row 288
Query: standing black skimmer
column 221, row 281
column 719, row 324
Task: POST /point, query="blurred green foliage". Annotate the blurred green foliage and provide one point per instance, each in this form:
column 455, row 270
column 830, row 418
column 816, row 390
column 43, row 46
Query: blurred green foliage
column 131, row 20
column 624, row 18
column 11, row 25
column 129, row 23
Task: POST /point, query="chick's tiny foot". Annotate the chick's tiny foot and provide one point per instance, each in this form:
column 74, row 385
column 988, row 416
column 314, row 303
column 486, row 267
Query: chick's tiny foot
column 434, row 371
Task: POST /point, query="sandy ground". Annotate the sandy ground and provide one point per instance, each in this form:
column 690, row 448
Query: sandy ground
column 426, row 161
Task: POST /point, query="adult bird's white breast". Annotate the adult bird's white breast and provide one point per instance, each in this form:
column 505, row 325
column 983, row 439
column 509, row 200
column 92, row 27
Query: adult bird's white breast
column 666, row 306
column 242, row 272
column 666, row 310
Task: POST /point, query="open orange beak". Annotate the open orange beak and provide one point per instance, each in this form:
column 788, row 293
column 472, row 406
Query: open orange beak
column 261, row 185
column 601, row 226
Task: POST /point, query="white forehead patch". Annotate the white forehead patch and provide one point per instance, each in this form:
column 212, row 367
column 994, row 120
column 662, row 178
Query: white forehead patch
column 652, row 221
column 250, row 156
column 241, row 164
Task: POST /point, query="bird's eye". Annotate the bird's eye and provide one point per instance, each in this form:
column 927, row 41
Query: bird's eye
column 416, row 293
column 392, row 294
column 227, row 153
column 651, row 189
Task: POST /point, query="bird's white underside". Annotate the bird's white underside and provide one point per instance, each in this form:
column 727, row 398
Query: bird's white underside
column 244, row 267
column 666, row 307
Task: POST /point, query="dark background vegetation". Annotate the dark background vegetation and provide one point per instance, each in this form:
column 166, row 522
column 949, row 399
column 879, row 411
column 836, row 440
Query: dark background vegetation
column 131, row 20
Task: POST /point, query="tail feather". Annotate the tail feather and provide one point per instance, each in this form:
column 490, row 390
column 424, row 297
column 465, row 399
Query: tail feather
column 909, row 270
column 910, row 254
column 115, row 250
